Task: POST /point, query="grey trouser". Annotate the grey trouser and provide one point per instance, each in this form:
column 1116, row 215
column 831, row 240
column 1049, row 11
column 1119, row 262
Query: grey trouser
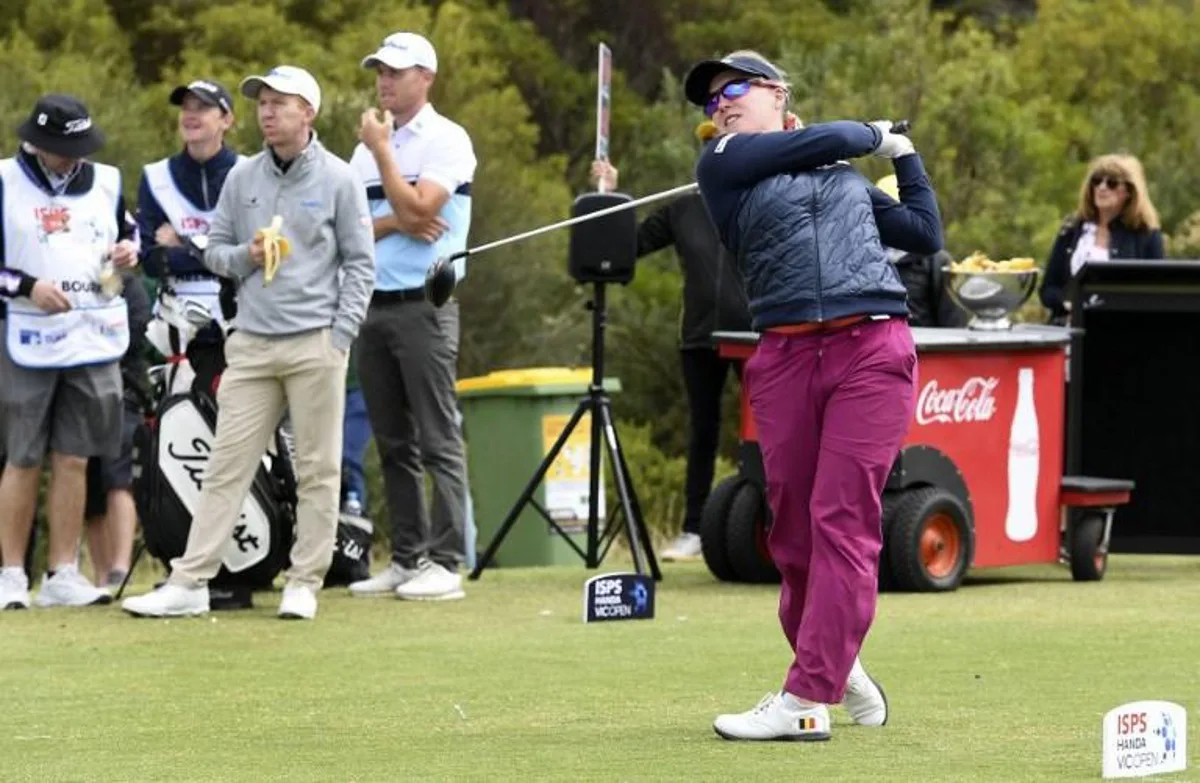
column 407, row 362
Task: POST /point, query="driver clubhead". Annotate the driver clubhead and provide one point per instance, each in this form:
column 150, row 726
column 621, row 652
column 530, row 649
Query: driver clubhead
column 440, row 281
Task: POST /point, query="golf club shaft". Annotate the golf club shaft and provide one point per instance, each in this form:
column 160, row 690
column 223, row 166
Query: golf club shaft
column 679, row 191
column 901, row 126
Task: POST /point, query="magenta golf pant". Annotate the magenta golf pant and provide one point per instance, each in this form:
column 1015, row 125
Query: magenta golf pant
column 832, row 409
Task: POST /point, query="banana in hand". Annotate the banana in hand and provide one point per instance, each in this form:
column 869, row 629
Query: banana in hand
column 275, row 247
column 111, row 283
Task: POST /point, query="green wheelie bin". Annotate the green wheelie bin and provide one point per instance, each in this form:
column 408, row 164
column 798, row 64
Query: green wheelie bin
column 511, row 420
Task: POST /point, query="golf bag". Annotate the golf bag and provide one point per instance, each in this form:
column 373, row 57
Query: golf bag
column 351, row 552
column 171, row 450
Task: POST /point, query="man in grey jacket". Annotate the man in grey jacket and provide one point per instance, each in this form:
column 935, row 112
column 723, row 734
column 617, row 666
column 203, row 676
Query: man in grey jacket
column 293, row 333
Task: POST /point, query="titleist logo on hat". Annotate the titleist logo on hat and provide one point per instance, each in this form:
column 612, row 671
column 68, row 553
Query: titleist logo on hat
column 70, row 127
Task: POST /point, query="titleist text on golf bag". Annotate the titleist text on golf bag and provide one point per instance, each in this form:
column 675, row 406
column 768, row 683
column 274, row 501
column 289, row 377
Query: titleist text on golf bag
column 171, row 451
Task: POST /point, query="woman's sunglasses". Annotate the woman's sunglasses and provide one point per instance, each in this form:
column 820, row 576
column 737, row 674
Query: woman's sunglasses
column 732, row 92
column 1112, row 182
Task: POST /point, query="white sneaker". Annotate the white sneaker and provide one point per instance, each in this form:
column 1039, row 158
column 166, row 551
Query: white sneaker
column 777, row 717
column 432, row 583
column 865, row 700
column 383, row 583
column 299, row 603
column 686, row 547
column 169, row 600
column 68, row 587
column 14, row 589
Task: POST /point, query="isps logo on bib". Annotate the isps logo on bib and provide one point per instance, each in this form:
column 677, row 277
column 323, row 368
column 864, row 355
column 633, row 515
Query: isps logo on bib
column 1145, row 738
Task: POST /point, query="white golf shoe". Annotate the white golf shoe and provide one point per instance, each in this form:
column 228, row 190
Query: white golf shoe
column 68, row 587
column 299, row 603
column 384, row 583
column 686, row 547
column 433, row 582
column 865, row 700
column 777, row 717
column 169, row 600
column 14, row 589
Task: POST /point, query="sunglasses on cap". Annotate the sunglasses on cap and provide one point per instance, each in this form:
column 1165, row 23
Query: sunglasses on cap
column 732, row 91
column 1112, row 182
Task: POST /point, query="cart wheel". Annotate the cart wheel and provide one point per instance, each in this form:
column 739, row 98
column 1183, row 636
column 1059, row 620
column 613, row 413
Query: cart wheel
column 929, row 542
column 887, row 520
column 1088, row 560
column 746, row 537
column 713, row 519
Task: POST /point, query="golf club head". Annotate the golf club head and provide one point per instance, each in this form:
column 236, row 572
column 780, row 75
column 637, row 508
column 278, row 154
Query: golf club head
column 440, row 280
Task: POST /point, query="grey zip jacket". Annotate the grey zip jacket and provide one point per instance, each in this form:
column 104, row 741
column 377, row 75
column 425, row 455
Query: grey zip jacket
column 328, row 278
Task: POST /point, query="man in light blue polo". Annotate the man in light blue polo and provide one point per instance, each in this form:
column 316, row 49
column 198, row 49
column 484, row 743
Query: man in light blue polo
column 417, row 166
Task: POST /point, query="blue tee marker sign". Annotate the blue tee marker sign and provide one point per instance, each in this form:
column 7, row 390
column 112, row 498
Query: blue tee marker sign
column 618, row 596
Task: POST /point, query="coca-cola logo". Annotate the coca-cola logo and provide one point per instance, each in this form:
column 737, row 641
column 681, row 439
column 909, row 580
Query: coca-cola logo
column 973, row 401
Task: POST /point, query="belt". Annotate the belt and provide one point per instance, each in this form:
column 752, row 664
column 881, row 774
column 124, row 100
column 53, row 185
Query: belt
column 811, row 327
column 395, row 297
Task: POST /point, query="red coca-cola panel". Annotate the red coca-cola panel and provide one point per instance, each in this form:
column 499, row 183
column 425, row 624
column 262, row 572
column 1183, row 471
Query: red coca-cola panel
column 966, row 408
column 1007, row 443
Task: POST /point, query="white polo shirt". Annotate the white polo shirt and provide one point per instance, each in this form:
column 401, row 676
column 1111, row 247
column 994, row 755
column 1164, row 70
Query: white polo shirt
column 429, row 147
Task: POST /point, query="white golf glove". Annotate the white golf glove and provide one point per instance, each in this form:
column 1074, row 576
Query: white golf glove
column 893, row 145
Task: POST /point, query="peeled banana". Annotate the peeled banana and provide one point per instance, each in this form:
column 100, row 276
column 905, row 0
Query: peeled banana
column 275, row 247
column 979, row 262
column 110, row 282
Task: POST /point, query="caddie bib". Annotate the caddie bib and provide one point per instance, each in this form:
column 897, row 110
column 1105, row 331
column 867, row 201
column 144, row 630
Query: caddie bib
column 188, row 220
column 63, row 238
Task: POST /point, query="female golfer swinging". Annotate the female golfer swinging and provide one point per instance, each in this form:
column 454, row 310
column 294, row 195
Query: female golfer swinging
column 832, row 381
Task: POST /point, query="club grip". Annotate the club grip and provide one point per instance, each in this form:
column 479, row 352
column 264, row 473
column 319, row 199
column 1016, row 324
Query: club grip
column 901, row 126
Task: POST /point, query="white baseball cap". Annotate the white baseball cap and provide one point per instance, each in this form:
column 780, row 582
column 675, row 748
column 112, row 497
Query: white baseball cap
column 287, row 79
column 404, row 50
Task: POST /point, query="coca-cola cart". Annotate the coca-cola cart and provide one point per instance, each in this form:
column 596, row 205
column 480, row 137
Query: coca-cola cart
column 978, row 483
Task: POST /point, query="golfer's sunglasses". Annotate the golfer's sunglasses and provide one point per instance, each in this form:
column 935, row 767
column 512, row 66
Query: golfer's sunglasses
column 1112, row 182
column 731, row 91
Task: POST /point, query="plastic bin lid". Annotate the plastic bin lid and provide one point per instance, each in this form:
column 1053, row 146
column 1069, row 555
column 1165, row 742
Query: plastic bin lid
column 533, row 381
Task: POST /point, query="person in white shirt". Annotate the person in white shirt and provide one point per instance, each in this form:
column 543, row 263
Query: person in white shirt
column 417, row 167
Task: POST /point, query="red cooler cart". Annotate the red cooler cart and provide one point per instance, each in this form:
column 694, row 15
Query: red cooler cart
column 978, row 483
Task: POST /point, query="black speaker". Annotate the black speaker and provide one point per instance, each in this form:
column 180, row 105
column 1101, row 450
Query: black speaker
column 1132, row 396
column 604, row 249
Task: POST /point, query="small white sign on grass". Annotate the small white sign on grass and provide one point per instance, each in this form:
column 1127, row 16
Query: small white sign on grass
column 1145, row 738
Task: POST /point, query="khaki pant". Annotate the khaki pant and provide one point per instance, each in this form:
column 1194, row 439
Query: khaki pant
column 306, row 374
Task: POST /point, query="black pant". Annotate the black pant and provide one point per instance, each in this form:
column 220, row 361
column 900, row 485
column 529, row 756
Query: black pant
column 704, row 375
column 407, row 359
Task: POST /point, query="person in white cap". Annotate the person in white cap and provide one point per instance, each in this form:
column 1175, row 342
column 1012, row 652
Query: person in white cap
column 418, row 167
column 290, row 348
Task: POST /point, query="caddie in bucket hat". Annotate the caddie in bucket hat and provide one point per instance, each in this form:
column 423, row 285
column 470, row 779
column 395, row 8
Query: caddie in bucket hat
column 65, row 236
column 61, row 125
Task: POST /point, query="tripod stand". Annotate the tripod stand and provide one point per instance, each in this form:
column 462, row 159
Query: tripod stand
column 603, row 430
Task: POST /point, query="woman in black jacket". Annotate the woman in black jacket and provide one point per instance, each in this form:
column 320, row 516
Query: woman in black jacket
column 713, row 300
column 1115, row 220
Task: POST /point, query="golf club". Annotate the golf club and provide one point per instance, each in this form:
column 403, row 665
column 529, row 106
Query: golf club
column 441, row 279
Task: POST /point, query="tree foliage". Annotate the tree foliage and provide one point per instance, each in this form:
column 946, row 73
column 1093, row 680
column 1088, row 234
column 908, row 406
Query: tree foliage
column 1009, row 100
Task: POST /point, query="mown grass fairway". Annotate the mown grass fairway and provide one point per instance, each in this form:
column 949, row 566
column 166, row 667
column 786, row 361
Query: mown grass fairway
column 1004, row 680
